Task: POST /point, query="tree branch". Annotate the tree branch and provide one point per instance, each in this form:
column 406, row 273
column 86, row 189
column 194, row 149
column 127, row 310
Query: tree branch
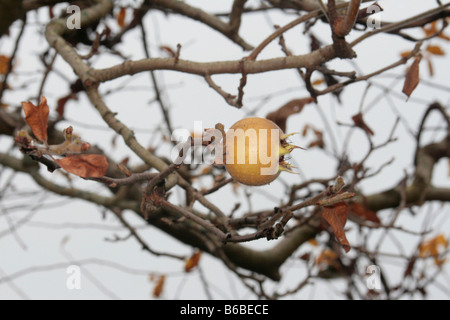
column 204, row 17
column 236, row 15
column 420, row 189
column 218, row 67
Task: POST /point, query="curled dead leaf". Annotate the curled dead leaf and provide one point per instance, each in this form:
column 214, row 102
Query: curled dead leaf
column 412, row 77
column 85, row 165
column 362, row 212
column 4, row 64
column 336, row 216
column 192, row 262
column 436, row 50
column 294, row 106
column 158, row 289
column 317, row 82
column 325, row 259
column 318, row 142
column 121, row 17
column 432, row 249
column 36, row 117
column 405, row 54
column 432, row 30
column 360, row 123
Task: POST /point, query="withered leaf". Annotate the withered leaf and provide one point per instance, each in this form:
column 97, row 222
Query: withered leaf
column 158, row 289
column 61, row 105
column 75, row 88
column 85, row 165
column 436, row 50
column 432, row 30
column 405, row 54
column 431, row 249
column 37, row 117
column 362, row 212
column 336, row 216
column 326, row 258
column 121, row 17
column 360, row 123
column 412, row 77
column 305, row 257
column 192, row 262
column 294, row 106
column 317, row 82
column 4, row 64
column 318, row 142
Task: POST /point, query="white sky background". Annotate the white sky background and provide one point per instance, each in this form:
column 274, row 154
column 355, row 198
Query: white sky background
column 58, row 228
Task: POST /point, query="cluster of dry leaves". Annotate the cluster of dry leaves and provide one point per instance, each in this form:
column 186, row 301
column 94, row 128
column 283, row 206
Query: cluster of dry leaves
column 74, row 161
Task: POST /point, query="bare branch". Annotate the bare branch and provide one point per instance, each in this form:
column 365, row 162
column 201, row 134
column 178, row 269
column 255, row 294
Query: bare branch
column 204, row 17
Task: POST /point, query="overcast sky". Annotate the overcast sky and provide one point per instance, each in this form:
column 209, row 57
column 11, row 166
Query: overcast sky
column 51, row 231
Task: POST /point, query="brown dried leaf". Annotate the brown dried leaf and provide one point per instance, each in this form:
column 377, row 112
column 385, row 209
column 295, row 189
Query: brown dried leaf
column 317, row 82
column 158, row 289
column 405, row 54
column 121, row 17
column 61, row 104
column 412, row 77
column 360, row 123
column 436, row 50
column 432, row 30
column 305, row 129
column 305, row 257
column 85, row 165
column 319, row 136
column 336, row 216
column 431, row 248
column 443, row 36
column 364, row 213
column 294, row 106
column 4, row 64
column 192, row 262
column 37, row 117
column 326, row 258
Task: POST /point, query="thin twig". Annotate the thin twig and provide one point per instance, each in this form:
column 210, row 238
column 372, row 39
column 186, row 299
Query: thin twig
column 117, row 182
column 13, row 55
column 144, row 245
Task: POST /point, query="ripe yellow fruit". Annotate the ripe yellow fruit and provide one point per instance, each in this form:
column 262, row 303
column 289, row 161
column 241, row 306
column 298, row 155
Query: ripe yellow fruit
column 255, row 150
